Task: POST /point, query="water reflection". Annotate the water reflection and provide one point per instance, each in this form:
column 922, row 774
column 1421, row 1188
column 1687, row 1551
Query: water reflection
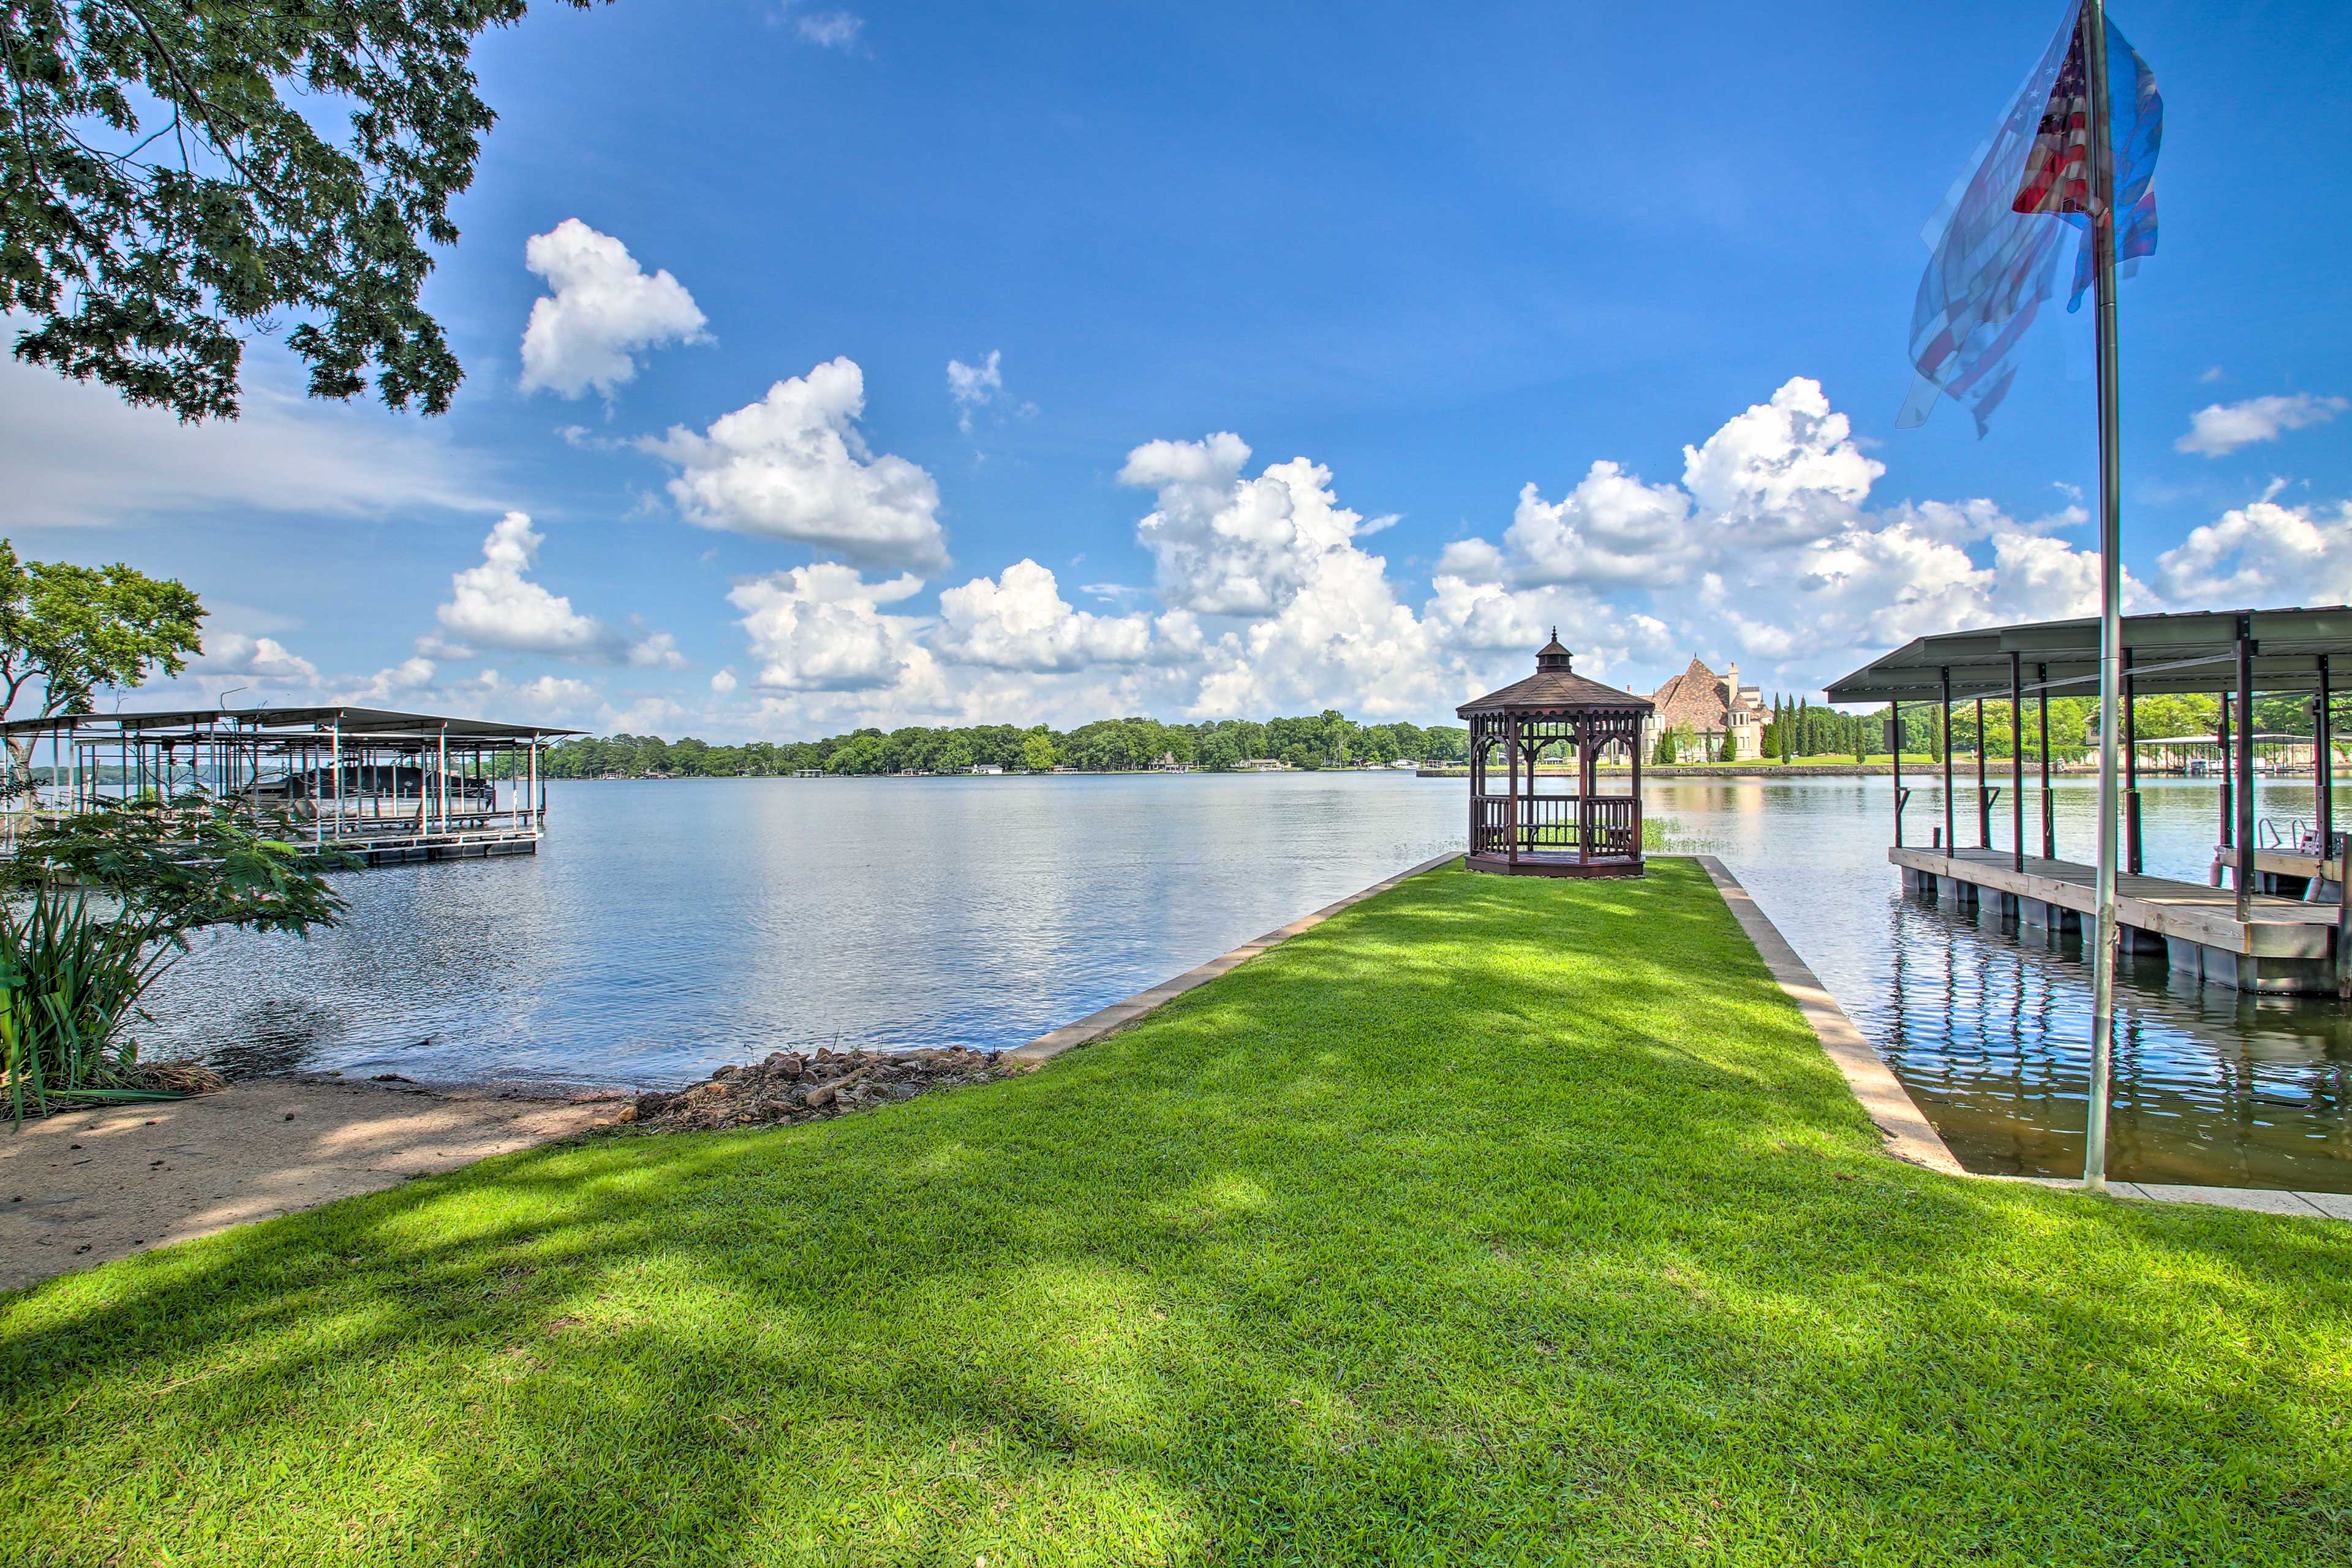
column 1987, row 1021
column 670, row 927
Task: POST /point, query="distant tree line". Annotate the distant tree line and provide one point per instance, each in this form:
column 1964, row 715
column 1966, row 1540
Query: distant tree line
column 1327, row 739
column 1798, row 728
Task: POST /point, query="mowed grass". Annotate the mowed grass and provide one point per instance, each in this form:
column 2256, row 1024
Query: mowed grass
column 1492, row 1221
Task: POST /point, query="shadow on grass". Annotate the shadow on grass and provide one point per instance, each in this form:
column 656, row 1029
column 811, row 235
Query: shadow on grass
column 1492, row 1220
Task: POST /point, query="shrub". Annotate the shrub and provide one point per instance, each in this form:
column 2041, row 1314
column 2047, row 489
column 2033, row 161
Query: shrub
column 98, row 905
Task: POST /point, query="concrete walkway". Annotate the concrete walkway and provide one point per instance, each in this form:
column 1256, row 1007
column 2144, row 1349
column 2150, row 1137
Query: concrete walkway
column 83, row 1187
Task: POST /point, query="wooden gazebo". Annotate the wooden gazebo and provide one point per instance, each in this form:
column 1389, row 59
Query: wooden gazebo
column 1560, row 714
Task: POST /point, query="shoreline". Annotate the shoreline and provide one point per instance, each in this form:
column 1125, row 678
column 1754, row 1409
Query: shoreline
column 87, row 1186
column 83, row 1187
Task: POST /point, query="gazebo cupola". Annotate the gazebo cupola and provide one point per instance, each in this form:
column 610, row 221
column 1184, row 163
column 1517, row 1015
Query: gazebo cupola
column 1560, row 716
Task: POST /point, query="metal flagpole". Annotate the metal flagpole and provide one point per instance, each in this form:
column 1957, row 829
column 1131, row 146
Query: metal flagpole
column 2103, row 256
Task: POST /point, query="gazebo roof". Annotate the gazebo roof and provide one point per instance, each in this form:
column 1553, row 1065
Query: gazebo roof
column 1555, row 688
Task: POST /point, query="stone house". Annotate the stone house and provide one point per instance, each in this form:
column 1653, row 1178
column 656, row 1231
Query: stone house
column 1705, row 705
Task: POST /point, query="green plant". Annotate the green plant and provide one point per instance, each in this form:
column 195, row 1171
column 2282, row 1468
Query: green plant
column 99, row 906
column 65, row 631
column 1495, row 1220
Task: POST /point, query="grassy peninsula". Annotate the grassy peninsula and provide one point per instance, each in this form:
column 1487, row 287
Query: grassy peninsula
column 1492, row 1221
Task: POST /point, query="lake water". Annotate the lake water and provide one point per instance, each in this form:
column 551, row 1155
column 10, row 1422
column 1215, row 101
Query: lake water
column 667, row 928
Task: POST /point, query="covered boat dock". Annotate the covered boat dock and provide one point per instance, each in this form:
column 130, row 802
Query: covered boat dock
column 381, row 785
column 2271, row 919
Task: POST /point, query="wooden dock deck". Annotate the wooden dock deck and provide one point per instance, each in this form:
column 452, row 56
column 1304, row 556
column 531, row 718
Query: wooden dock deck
column 2285, row 946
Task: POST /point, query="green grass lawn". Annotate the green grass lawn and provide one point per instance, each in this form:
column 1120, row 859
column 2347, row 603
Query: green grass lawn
column 1495, row 1220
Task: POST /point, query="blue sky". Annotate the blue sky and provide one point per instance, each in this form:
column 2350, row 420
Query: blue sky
column 1440, row 254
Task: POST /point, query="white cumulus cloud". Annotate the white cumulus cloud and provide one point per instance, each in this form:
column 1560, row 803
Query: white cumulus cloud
column 1782, row 474
column 1228, row 545
column 821, row 627
column 1767, row 552
column 1019, row 620
column 794, row 466
column 2220, row 428
column 1784, row 471
column 1611, row 529
column 1318, row 621
column 260, row 658
column 586, row 335
column 2263, row 554
column 496, row 604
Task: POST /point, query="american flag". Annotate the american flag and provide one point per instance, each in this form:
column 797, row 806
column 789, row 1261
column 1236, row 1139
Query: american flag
column 1994, row 246
column 2058, row 164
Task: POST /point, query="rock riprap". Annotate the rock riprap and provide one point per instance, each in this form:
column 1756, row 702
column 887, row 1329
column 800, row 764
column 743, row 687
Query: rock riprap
column 790, row 1086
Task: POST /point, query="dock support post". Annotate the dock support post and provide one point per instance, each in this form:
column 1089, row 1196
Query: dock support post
column 2323, row 767
column 2245, row 767
column 1894, row 727
column 2016, row 764
column 2049, row 808
column 1943, row 677
column 1984, row 802
column 2131, row 775
column 2229, row 773
column 2344, row 924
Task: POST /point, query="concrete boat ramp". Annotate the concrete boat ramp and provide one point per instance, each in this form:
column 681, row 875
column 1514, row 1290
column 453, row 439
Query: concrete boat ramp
column 2283, row 945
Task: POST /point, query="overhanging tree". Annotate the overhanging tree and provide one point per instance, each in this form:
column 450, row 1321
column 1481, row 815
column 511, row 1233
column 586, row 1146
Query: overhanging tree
column 167, row 193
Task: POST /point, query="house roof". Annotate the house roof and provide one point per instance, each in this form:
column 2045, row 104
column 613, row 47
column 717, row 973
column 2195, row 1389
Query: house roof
column 1698, row 697
column 1554, row 687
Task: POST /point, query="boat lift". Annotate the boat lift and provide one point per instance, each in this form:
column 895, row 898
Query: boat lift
column 381, row 785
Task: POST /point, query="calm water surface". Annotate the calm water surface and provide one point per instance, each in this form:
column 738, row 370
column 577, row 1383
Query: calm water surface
column 667, row 928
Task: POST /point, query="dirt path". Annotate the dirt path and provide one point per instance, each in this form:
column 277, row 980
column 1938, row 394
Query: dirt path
column 88, row 1186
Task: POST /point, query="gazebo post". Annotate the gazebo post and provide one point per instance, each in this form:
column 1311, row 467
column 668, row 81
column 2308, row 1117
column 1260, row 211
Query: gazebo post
column 1633, row 748
column 1584, row 796
column 1477, row 778
column 1511, row 751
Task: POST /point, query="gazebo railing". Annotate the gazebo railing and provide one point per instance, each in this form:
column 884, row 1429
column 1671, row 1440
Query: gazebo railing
column 1602, row 825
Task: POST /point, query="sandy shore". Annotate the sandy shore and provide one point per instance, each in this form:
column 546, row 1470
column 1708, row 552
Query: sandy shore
column 87, row 1186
